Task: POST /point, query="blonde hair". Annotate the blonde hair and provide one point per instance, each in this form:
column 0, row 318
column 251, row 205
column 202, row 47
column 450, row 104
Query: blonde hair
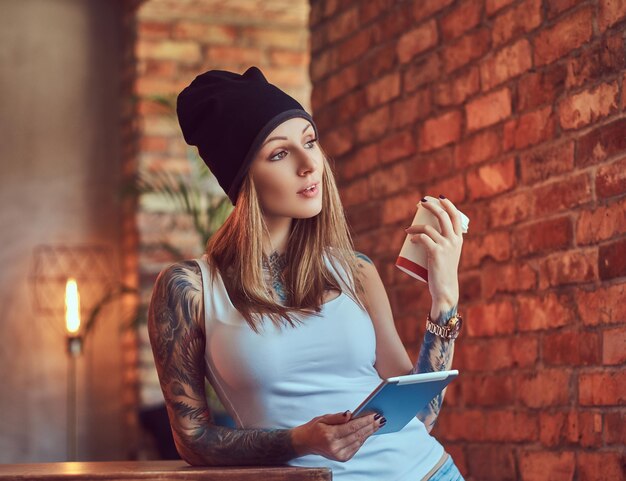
column 238, row 255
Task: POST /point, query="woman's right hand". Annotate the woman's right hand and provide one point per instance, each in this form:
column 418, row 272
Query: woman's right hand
column 335, row 436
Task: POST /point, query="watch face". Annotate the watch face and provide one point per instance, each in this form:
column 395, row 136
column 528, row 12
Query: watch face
column 455, row 327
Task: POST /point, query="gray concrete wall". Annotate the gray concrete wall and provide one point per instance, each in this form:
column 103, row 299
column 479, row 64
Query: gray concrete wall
column 59, row 178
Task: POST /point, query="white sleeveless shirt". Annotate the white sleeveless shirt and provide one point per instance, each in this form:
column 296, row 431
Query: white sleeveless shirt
column 284, row 377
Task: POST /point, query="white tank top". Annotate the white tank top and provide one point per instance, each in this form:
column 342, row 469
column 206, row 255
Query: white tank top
column 284, row 377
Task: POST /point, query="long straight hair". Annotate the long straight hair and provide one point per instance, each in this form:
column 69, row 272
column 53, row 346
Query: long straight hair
column 238, row 255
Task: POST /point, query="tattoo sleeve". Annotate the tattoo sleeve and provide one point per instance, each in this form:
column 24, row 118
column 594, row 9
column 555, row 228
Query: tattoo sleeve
column 178, row 342
column 435, row 355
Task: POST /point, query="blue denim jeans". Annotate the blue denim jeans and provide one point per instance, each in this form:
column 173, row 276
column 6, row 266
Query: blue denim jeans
column 447, row 472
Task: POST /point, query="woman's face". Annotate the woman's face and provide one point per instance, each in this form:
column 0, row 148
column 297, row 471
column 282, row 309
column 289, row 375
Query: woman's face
column 288, row 161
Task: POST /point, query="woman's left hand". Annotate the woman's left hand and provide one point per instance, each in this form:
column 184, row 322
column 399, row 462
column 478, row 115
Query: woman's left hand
column 443, row 249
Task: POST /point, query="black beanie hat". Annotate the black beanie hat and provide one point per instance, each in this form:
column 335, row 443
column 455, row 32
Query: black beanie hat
column 228, row 116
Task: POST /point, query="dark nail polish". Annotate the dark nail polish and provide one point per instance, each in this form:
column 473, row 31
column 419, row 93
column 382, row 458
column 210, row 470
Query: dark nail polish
column 441, row 196
column 424, row 199
column 346, row 413
column 377, row 416
column 383, row 420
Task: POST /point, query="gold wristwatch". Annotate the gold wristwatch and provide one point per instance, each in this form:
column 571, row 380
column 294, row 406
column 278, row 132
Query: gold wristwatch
column 449, row 331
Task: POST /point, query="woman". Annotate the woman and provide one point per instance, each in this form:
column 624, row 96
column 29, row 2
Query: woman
column 284, row 319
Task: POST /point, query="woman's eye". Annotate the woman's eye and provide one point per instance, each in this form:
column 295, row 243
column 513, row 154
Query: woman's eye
column 274, row 157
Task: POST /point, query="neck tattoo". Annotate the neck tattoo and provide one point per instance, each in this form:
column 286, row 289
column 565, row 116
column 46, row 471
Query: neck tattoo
column 274, row 266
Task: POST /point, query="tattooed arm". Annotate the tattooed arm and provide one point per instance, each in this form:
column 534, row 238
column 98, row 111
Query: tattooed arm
column 391, row 356
column 435, row 355
column 175, row 326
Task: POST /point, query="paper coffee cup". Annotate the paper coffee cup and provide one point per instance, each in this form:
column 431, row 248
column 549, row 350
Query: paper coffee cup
column 413, row 258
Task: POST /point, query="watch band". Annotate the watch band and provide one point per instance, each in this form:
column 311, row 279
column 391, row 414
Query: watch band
column 445, row 332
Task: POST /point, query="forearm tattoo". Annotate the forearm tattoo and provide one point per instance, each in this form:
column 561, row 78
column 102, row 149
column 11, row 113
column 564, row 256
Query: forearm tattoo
column 178, row 343
column 435, row 355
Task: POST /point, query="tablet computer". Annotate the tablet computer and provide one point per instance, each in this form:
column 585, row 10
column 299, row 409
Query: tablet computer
column 400, row 398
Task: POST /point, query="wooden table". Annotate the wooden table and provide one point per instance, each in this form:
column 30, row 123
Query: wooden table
column 157, row 470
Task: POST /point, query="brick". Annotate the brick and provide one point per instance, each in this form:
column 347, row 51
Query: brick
column 602, row 306
column 348, row 107
column 614, row 346
column 417, row 41
column 543, row 236
column 507, row 278
column 587, row 107
column 612, row 260
column 568, row 267
column 596, row 62
column 429, row 166
column 183, row 52
column 286, row 58
column 493, row 354
column 546, row 162
column 573, row 348
column 425, row 8
column 611, row 179
column 361, row 161
column 396, row 22
column 569, row 33
column 491, row 179
column 456, row 90
column 469, row 288
column 204, row 32
column 602, row 223
column 493, row 6
column 563, row 194
column 505, row 64
column 373, row 124
column 493, row 390
column 356, row 192
column 294, row 38
column 338, row 141
column 378, row 62
column 529, row 129
column 407, row 110
column 397, row 146
column 422, row 71
column 153, row 30
column 516, row 22
column 363, row 218
column 557, row 7
column 615, row 427
column 511, row 426
column 510, row 208
column 478, row 148
column 383, row 90
column 602, row 388
column 547, row 387
column 488, row 109
column 495, row 245
column 610, row 12
column 491, row 462
column 388, row 180
column 462, row 51
column 439, row 131
column 341, row 82
column 342, row 25
column 541, row 87
column 452, row 187
column 400, row 208
column 356, row 45
column 563, row 428
column 601, row 143
column 461, row 18
column 544, row 311
column 547, row 466
column 227, row 54
column 490, row 319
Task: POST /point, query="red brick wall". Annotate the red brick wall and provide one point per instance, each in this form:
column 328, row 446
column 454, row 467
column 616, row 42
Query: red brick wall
column 515, row 111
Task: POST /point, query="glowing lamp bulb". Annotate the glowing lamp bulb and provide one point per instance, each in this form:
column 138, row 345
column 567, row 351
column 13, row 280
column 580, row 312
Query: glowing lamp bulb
column 72, row 306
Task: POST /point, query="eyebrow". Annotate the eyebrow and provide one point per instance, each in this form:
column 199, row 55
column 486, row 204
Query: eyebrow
column 282, row 138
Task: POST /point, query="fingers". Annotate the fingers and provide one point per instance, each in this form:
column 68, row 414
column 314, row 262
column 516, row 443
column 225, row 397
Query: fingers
column 447, row 215
column 359, row 434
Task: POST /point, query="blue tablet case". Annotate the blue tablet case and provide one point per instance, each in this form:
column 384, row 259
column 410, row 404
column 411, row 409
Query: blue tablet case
column 400, row 398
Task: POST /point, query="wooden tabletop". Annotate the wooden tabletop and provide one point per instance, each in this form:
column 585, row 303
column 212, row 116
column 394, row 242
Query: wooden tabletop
column 157, row 470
